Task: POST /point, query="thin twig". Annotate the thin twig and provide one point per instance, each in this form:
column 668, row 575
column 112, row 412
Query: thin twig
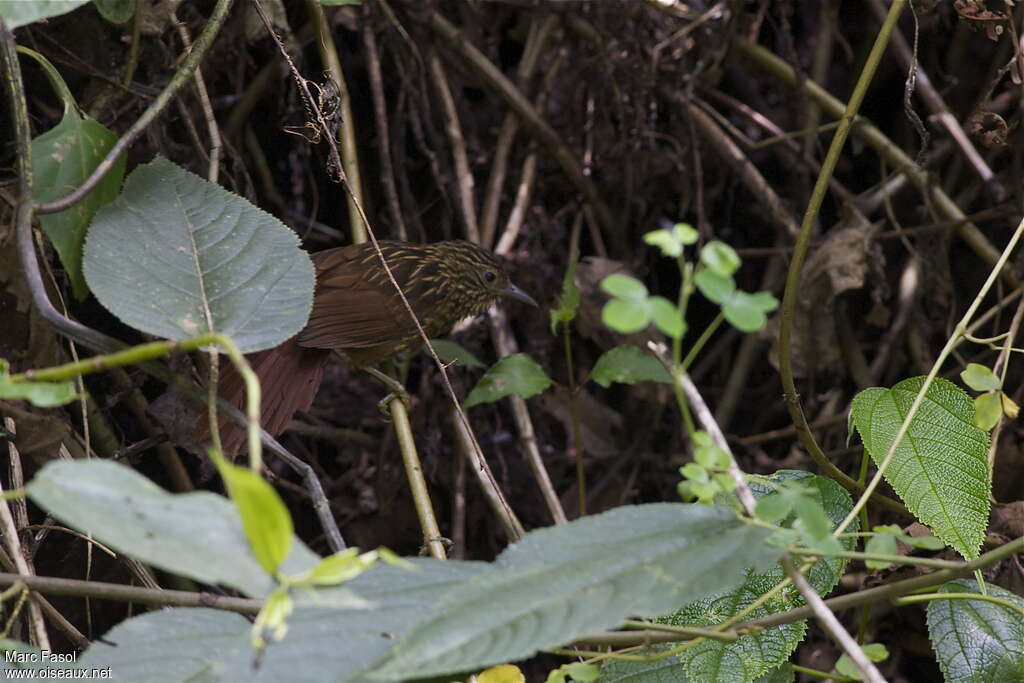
column 535, row 41
column 463, row 173
column 549, row 139
column 488, row 484
column 506, row 346
column 147, row 596
column 383, row 131
column 12, row 538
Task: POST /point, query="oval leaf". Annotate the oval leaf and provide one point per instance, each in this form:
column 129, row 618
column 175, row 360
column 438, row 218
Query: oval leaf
column 266, row 521
column 62, row 158
column 174, row 247
column 517, row 374
column 720, row 258
column 626, row 317
column 940, row 470
column 980, row 378
column 628, row 364
column 716, row 287
column 624, row 287
column 988, row 408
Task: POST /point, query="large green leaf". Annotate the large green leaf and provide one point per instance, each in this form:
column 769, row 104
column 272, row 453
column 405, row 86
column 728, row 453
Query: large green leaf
column 174, row 247
column 563, row 582
column 194, row 534
column 321, row 644
column 756, row 654
column 62, row 158
column 22, row 12
column 940, row 469
column 978, row 641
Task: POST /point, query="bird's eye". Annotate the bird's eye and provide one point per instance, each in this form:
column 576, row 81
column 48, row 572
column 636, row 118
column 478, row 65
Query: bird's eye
column 490, row 276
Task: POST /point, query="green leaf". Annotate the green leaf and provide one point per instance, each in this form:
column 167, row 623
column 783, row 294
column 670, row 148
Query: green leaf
column 21, row 12
column 42, row 394
column 720, row 258
column 569, row 301
column 695, row 472
column 200, row 644
column 560, row 583
column 626, row 317
column 272, row 618
column 667, row 317
column 197, row 534
column 876, row 652
column 335, row 3
column 988, row 409
column 980, row 378
column 583, row 672
column 338, row 568
column 265, row 519
column 450, row 352
column 756, row 654
column 746, row 312
column 62, row 158
column 116, row 11
column 940, row 469
column 516, row 374
column 673, row 241
column 174, row 247
column 503, row 673
column 717, row 288
column 624, row 287
column 881, row 544
column 773, row 507
column 628, row 365
column 664, row 670
column 1010, row 407
column 975, row 640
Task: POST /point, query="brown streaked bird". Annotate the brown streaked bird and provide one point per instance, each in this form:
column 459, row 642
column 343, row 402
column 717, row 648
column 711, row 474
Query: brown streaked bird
column 357, row 310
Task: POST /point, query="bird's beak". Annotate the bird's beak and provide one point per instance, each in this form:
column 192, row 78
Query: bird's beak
column 514, row 292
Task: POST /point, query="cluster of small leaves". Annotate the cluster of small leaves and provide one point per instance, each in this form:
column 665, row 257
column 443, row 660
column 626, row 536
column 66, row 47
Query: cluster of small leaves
column 632, row 308
column 993, row 403
column 811, row 528
column 708, row 475
column 883, row 542
column 754, row 655
column 744, row 311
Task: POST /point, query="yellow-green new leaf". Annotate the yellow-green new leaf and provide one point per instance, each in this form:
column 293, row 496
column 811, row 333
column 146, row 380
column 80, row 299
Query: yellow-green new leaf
column 265, row 519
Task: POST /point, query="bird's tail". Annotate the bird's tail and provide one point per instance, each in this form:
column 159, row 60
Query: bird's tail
column 289, row 377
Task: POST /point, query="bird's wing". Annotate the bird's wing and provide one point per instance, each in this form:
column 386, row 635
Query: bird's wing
column 352, row 307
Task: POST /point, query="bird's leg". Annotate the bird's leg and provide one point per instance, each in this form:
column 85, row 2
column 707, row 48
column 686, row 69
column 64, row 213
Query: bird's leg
column 397, row 390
